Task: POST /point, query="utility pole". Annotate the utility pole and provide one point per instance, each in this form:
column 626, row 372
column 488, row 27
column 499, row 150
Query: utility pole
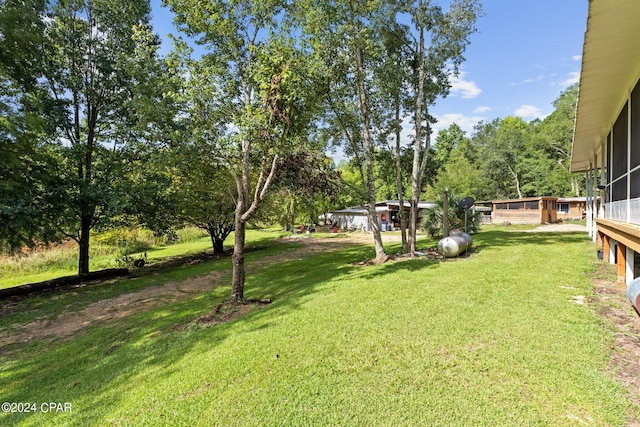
column 445, row 213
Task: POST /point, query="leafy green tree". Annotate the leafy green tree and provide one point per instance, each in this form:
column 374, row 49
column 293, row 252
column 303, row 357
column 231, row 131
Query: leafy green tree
column 27, row 170
column 505, row 143
column 447, row 140
column 455, row 159
column 89, row 50
column 460, row 176
column 306, row 183
column 548, row 162
column 346, row 37
column 251, row 97
column 391, row 80
column 206, row 196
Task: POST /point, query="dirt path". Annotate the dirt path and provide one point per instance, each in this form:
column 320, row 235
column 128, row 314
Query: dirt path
column 69, row 324
column 558, row 228
column 610, row 301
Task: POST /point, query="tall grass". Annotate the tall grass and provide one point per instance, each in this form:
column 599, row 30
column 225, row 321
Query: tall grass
column 106, row 251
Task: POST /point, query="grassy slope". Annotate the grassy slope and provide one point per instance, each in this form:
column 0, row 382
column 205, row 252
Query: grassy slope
column 55, row 268
column 489, row 340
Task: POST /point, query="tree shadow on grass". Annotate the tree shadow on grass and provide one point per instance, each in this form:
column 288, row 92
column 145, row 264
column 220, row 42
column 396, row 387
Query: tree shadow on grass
column 95, row 371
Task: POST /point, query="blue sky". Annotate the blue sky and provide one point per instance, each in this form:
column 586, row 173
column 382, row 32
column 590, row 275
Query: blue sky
column 523, row 56
column 525, row 53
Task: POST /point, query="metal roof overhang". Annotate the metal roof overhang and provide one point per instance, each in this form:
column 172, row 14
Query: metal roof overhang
column 610, row 66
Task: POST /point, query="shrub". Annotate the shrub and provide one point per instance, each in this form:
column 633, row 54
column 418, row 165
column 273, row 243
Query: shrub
column 432, row 219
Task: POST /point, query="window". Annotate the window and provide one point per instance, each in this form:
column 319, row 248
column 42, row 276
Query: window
column 531, row 205
column 516, row 205
column 501, row 206
column 563, row 208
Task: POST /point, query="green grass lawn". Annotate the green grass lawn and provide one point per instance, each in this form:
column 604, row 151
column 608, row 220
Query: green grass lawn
column 494, row 339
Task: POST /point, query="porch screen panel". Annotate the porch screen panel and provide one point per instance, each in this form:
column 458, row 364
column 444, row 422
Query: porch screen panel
column 608, row 146
column 620, row 144
column 619, row 191
column 635, row 127
column 635, row 184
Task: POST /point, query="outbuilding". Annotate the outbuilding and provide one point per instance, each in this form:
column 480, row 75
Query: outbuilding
column 387, row 212
column 531, row 210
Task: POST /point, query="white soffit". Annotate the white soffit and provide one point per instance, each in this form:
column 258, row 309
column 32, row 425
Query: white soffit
column 610, row 66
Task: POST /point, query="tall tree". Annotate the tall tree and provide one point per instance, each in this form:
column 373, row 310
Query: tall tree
column 206, row 196
column 256, row 88
column 447, row 140
column 454, row 158
column 88, row 47
column 392, row 77
column 551, row 150
column 503, row 157
column 439, row 43
column 347, row 36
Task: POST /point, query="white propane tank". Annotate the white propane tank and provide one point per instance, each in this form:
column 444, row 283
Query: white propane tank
column 452, row 246
column 455, row 244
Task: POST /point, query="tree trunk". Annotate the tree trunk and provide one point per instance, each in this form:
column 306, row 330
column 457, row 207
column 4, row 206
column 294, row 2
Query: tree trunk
column 83, row 243
column 368, row 159
column 237, row 282
column 401, row 213
column 217, row 243
column 416, row 177
column 516, row 181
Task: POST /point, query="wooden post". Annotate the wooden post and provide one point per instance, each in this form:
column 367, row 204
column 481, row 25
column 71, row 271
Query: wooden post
column 606, row 247
column 630, row 266
column 445, row 213
column 621, row 255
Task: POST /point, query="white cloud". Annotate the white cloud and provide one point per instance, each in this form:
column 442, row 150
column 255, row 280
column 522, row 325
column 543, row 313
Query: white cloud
column 529, row 111
column 465, row 89
column 482, row 109
column 535, row 79
column 574, row 77
column 466, row 123
column 577, row 58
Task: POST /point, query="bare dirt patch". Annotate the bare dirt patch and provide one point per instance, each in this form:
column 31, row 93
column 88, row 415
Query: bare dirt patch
column 68, row 324
column 611, row 303
column 557, row 228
